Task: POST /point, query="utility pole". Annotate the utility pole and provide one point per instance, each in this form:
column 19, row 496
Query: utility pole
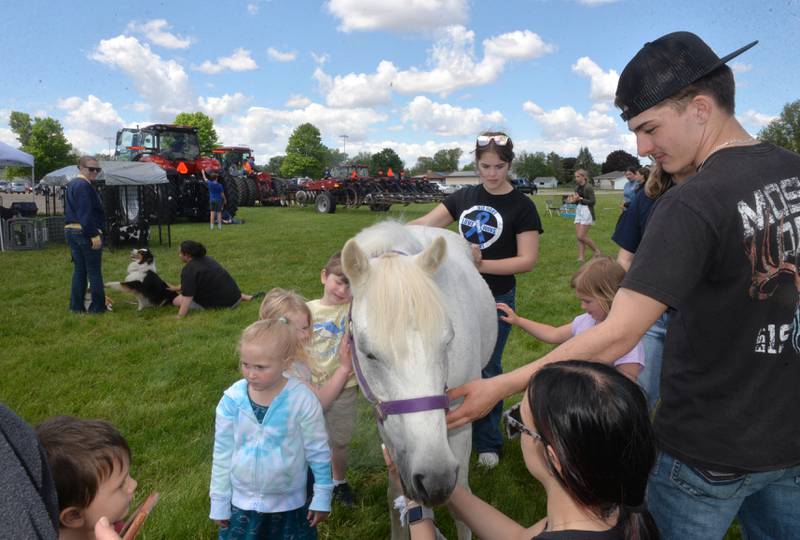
column 108, row 140
column 344, row 143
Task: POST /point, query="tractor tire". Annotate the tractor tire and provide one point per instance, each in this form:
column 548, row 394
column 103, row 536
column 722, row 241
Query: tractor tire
column 302, row 197
column 325, row 203
column 231, row 189
column 252, row 191
column 241, row 187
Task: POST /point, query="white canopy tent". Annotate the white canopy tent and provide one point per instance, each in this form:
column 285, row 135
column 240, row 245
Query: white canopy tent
column 115, row 173
column 10, row 156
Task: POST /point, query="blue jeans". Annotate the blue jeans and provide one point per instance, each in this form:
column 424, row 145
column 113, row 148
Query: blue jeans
column 687, row 505
column 87, row 263
column 650, row 377
column 486, row 436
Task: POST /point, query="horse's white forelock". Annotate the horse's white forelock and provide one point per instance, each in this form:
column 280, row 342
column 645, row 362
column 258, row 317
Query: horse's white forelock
column 399, row 295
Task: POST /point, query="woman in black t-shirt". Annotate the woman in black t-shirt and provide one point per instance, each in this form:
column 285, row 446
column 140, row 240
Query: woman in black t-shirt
column 503, row 227
column 205, row 284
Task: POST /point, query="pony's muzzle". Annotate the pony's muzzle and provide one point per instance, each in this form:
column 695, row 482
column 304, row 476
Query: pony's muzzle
column 434, row 487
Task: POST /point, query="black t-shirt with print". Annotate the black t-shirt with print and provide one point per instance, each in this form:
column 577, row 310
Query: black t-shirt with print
column 493, row 222
column 723, row 250
column 209, row 283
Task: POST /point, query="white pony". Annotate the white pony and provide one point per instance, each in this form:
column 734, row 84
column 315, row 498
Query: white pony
column 423, row 320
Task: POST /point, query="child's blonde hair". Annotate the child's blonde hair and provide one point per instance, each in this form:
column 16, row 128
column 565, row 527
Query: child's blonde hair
column 281, row 302
column 279, row 336
column 599, row 278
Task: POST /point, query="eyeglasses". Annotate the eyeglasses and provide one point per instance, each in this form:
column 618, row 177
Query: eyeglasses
column 514, row 425
column 499, row 140
column 93, row 169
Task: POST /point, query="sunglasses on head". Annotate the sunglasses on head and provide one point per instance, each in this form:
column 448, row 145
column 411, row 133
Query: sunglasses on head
column 94, row 169
column 514, row 425
column 499, row 140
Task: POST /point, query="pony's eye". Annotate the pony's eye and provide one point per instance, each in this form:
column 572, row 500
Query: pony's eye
column 371, row 356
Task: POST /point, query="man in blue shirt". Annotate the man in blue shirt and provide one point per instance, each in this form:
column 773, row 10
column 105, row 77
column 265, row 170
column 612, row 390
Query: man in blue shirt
column 84, row 222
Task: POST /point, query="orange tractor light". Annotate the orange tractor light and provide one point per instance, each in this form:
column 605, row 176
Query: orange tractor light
column 136, row 148
column 182, row 168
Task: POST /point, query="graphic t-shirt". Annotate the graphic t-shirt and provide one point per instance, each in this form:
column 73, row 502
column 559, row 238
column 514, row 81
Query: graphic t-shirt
column 493, row 222
column 328, row 324
column 209, row 283
column 215, row 190
column 723, row 250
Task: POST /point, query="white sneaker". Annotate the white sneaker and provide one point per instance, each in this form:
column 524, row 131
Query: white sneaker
column 488, row 460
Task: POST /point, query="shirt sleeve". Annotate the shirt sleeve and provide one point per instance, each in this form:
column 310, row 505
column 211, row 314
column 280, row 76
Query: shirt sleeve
column 634, row 356
column 455, row 203
column 84, row 208
column 317, row 451
column 188, row 280
column 677, row 248
column 527, row 219
column 220, row 490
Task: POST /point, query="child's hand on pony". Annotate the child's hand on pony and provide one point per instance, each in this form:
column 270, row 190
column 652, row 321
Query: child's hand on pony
column 509, row 315
column 346, row 353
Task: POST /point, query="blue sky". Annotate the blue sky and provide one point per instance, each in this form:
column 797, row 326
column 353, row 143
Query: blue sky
column 413, row 75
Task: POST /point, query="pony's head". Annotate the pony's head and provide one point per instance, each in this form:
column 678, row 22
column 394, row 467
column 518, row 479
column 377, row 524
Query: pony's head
column 402, row 333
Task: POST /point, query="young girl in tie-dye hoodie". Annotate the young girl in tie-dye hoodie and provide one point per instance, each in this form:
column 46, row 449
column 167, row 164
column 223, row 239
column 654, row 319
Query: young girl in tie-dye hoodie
column 269, row 431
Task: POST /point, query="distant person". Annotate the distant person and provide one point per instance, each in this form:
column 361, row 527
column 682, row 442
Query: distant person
column 269, row 432
column 90, row 461
column 205, row 284
column 84, row 223
column 629, row 189
column 503, row 227
column 216, row 197
column 584, row 213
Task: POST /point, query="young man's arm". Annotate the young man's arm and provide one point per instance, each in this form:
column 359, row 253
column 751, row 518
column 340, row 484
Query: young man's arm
column 632, row 313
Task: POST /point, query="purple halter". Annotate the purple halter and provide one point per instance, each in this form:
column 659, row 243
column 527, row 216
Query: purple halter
column 398, row 406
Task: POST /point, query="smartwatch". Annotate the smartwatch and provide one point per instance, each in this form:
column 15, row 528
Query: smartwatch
column 419, row 513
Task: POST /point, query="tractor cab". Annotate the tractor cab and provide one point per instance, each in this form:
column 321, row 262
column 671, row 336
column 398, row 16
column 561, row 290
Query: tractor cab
column 172, row 143
column 350, row 171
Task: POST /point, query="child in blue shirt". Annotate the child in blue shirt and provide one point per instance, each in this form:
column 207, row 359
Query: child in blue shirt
column 216, row 197
column 269, row 431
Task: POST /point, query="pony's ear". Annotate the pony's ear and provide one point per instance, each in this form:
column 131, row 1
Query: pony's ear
column 433, row 255
column 355, row 263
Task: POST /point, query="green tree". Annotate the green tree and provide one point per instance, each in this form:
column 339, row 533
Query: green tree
column 446, row 160
column 469, row 166
column 305, row 153
column 785, row 130
column 530, row 165
column 384, row 160
column 49, row 147
column 274, row 165
column 619, row 160
column 423, row 165
column 362, row 158
column 586, row 161
column 569, row 164
column 206, row 133
column 334, row 157
column 556, row 165
column 20, row 124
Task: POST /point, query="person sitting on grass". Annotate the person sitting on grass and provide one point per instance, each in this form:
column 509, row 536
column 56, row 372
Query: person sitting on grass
column 89, row 461
column 595, row 284
column 586, row 436
column 205, row 284
column 269, row 431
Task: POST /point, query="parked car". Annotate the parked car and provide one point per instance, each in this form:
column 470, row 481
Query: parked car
column 525, row 186
column 19, row 187
column 4, row 186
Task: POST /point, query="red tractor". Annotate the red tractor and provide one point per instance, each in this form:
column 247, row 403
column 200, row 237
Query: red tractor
column 254, row 186
column 176, row 149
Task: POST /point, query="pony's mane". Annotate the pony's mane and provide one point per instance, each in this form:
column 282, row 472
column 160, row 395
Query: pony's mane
column 398, row 294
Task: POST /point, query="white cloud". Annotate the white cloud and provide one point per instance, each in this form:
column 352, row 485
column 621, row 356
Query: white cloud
column 358, row 89
column 446, row 120
column 253, row 8
column 240, row 60
column 453, row 66
column 320, row 58
column 91, row 123
column 755, row 119
column 8, row 137
column 740, row 67
column 268, row 130
column 280, row 56
column 407, row 16
column 138, row 106
column 603, row 83
column 156, row 31
column 297, row 101
column 217, row 107
column 163, row 84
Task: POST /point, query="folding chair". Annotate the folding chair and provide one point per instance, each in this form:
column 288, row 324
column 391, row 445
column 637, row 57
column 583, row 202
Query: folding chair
column 553, row 208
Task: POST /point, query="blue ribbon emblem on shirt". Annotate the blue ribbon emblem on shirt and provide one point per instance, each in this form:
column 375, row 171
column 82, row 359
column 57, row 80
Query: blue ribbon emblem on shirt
column 479, row 226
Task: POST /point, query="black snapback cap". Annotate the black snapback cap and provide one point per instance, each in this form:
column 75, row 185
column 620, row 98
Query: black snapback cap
column 665, row 66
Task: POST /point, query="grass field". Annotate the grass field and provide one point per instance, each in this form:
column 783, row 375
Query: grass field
column 159, row 379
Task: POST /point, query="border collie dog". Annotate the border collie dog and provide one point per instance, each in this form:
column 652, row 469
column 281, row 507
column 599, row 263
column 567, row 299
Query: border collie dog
column 143, row 282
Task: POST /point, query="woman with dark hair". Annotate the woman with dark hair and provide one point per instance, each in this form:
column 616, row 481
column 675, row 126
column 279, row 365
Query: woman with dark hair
column 503, row 227
column 586, row 436
column 205, row 284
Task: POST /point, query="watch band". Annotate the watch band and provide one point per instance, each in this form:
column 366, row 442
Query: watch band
column 419, row 513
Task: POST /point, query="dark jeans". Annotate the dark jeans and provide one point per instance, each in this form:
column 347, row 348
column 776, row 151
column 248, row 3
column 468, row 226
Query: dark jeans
column 87, row 263
column 486, row 436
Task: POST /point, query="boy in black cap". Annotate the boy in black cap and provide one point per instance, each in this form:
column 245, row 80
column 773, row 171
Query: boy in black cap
column 722, row 249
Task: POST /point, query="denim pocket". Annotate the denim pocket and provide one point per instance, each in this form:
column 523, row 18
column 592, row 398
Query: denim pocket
column 697, row 484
